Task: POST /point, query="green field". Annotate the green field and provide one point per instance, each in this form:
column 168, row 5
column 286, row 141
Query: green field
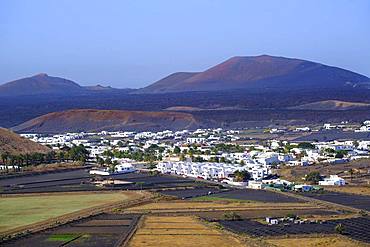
column 16, row 211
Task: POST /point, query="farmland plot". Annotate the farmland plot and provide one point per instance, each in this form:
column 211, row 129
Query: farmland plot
column 98, row 231
column 179, row 231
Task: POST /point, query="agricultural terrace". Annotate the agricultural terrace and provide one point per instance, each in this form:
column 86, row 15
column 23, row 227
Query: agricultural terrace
column 179, row 231
column 201, row 206
column 22, row 210
column 314, row 241
column 358, row 190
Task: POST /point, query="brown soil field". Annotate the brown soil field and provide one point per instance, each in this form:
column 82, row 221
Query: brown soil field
column 180, row 231
column 327, row 241
column 106, row 223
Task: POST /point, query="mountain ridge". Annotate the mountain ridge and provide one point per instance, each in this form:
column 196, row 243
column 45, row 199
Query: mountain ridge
column 43, row 84
column 259, row 72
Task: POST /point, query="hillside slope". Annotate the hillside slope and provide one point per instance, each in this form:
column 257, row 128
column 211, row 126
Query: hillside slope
column 331, row 105
column 112, row 120
column 261, row 73
column 12, row 143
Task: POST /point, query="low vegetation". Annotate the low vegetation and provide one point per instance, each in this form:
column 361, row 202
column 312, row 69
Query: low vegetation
column 66, row 154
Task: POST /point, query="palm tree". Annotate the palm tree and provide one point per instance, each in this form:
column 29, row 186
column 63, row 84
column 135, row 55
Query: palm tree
column 27, row 158
column 5, row 157
column 351, row 171
column 113, row 165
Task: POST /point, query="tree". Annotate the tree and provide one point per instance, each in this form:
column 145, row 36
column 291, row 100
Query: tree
column 241, row 176
column 108, row 161
column 152, row 166
column 182, row 157
column 214, row 159
column 5, row 157
column 314, row 177
column 339, row 228
column 59, row 156
column 112, row 166
column 306, row 145
column 78, row 153
column 356, row 144
column 198, row 159
column 231, row 216
column 330, row 151
column 99, row 160
column 340, row 154
column 177, row 150
column 108, row 153
column 351, row 171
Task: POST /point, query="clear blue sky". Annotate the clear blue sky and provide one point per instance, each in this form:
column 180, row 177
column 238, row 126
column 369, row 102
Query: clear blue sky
column 131, row 43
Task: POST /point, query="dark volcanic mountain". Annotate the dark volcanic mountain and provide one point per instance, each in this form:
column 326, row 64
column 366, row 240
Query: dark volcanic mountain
column 40, row 84
column 43, row 84
column 98, row 120
column 261, row 73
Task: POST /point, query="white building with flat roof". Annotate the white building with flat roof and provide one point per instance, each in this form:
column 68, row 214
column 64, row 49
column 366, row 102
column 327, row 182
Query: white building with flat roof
column 333, row 180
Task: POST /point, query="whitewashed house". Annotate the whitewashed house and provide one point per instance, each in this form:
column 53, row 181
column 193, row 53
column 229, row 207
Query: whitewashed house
column 333, row 180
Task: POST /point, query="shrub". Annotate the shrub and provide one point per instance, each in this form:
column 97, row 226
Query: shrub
column 313, row 177
column 231, row 216
column 363, row 213
column 339, row 229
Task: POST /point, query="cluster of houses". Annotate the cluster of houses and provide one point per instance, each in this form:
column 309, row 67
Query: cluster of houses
column 198, row 154
column 222, row 172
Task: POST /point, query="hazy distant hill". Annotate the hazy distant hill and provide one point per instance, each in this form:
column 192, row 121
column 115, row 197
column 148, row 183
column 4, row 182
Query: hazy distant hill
column 40, row 84
column 260, row 72
column 98, row 120
column 12, row 143
column 107, row 89
column 43, row 84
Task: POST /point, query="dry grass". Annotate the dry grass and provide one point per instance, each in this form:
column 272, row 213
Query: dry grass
column 359, row 190
column 322, row 241
column 330, row 217
column 52, row 167
column 193, row 206
column 14, row 144
column 179, row 231
column 360, row 168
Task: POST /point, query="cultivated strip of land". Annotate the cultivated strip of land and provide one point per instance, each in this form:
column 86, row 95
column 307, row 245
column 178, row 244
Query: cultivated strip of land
column 180, row 231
